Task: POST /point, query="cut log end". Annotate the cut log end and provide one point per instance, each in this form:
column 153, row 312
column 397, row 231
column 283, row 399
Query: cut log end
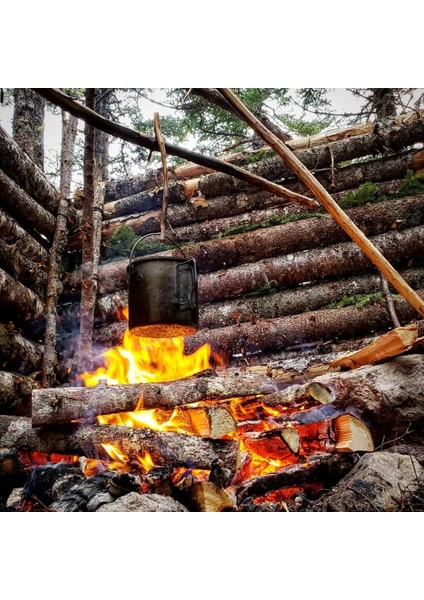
column 208, row 497
column 320, row 393
column 352, row 435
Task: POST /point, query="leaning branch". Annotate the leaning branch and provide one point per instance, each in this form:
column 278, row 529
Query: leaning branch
column 125, row 133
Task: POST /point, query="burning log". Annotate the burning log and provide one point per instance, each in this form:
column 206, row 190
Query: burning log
column 18, row 353
column 283, row 271
column 388, row 396
column 165, row 448
column 15, row 394
column 16, row 300
column 18, row 165
column 62, row 405
column 323, row 468
column 28, row 210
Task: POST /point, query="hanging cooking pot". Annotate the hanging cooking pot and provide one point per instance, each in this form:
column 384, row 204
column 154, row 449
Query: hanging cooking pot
column 162, row 296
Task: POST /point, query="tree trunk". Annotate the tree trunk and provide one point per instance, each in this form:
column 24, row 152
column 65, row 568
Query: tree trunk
column 15, row 394
column 19, row 166
column 251, row 247
column 137, row 184
column 12, row 233
column 289, row 302
column 69, row 132
column 22, row 269
column 310, row 266
column 144, row 201
column 166, row 448
column 17, row 301
column 388, row 396
column 25, row 208
column 322, row 157
column 62, row 405
column 17, row 353
column 276, row 335
column 28, row 124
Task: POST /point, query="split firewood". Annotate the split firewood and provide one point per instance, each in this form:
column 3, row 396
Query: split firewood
column 205, row 496
column 386, row 346
column 388, row 396
column 62, row 405
column 166, row 448
column 325, row 468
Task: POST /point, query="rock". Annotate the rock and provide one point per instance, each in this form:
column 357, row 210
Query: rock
column 134, row 502
column 15, row 498
column 379, row 482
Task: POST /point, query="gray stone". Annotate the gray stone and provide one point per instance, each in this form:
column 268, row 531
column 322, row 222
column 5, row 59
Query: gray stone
column 134, row 502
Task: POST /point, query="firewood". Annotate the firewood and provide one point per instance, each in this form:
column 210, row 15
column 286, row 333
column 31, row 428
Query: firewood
column 209, row 421
column 21, row 268
column 388, row 396
column 205, row 496
column 62, row 405
column 15, row 393
column 352, row 435
column 13, row 233
column 165, row 448
column 324, row 468
column 17, row 353
column 386, row 346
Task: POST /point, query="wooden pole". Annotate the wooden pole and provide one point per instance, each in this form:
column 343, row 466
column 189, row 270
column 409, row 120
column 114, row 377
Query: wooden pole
column 165, row 197
column 130, row 135
column 327, row 201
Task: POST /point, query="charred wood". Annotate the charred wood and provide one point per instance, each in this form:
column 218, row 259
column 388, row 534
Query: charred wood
column 166, row 448
column 62, row 405
column 19, row 166
column 143, row 201
column 324, row 468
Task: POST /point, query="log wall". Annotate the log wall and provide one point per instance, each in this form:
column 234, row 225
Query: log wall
column 272, row 271
column 28, row 205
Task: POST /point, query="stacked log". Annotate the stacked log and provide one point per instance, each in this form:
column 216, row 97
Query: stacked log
column 27, row 223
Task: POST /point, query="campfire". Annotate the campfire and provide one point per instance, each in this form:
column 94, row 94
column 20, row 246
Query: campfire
column 210, row 435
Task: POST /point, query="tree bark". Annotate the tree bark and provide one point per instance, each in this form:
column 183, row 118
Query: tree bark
column 69, row 132
column 388, row 396
column 17, row 353
column 251, row 247
column 128, row 187
column 25, row 208
column 15, row 394
column 19, row 166
column 144, row 201
column 314, row 265
column 289, row 302
column 12, row 233
column 166, row 448
column 329, row 204
column 130, row 135
column 62, row 405
column 17, row 301
column 28, row 124
column 394, row 139
column 22, row 269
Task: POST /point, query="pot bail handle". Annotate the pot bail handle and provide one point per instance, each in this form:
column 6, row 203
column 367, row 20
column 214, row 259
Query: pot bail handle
column 153, row 235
